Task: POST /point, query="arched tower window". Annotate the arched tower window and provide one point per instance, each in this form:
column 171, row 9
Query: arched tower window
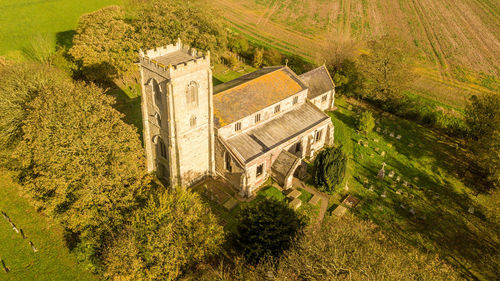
column 161, row 147
column 158, row 119
column 192, row 94
column 227, row 161
column 157, row 93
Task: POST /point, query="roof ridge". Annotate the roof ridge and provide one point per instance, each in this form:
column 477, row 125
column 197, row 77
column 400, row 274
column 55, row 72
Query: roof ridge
column 254, row 79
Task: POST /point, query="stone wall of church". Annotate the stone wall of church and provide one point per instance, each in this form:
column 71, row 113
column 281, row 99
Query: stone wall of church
column 325, row 101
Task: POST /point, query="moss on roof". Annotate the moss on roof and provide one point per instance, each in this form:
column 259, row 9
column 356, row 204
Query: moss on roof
column 255, row 91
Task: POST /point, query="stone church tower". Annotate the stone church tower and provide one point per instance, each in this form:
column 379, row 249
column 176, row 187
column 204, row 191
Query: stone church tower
column 177, row 112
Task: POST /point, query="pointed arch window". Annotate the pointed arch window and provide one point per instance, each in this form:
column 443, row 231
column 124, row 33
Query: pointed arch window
column 192, row 94
column 157, row 93
column 158, row 119
column 227, row 161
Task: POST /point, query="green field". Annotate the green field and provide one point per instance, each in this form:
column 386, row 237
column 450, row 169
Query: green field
column 439, row 190
column 20, row 20
column 52, row 261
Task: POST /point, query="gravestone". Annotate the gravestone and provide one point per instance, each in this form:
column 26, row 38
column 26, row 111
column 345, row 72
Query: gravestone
column 398, row 192
column 33, row 247
column 378, row 129
column 398, row 137
column 377, row 149
column 405, row 183
column 15, row 229
column 412, row 211
column 402, row 206
column 365, row 144
column 372, row 188
column 391, row 174
column 391, row 135
column 398, row 178
column 384, row 195
column 471, row 210
column 372, row 155
column 381, row 172
column 375, row 140
column 382, row 154
column 410, row 145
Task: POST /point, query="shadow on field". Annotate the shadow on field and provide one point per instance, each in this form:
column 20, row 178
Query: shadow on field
column 65, row 38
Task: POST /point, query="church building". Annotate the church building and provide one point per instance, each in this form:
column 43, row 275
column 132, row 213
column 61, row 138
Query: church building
column 257, row 126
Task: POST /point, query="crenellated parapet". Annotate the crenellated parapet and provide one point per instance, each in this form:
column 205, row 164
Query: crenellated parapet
column 173, row 59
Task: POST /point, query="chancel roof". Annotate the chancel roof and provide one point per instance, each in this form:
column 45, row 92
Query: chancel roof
column 251, row 144
column 252, row 92
column 318, row 81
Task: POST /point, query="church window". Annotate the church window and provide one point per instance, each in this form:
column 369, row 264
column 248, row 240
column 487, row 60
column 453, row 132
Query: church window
column 260, row 170
column 237, row 126
column 318, row 136
column 158, row 119
column 295, row 100
column 323, row 98
column 257, row 118
column 192, row 121
column 277, row 108
column 227, row 161
column 192, row 94
column 157, row 93
column 162, row 171
column 162, row 148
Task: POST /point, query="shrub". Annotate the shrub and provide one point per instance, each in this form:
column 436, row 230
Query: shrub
column 329, row 168
column 266, row 228
column 366, row 122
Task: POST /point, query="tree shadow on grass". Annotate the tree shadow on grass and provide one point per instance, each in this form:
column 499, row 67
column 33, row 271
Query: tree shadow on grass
column 64, row 39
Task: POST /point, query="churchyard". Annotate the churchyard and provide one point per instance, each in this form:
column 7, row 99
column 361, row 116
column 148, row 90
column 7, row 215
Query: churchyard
column 424, row 195
column 32, row 245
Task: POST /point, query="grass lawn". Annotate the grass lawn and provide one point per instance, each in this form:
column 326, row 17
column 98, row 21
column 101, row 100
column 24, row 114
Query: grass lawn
column 222, row 73
column 21, row 20
column 53, row 261
column 438, row 190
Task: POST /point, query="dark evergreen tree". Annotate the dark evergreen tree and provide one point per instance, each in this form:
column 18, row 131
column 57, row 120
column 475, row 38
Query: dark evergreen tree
column 329, row 165
column 266, row 228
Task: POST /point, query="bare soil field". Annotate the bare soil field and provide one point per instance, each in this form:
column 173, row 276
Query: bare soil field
column 456, row 43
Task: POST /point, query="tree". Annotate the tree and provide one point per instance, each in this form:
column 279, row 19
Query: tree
column 19, row 85
column 329, row 168
column 385, row 69
column 174, row 230
column 348, row 81
column 272, row 57
column 258, row 56
column 366, row 122
column 266, row 228
column 239, row 44
column 159, row 23
column 82, row 164
column 482, row 116
column 104, row 44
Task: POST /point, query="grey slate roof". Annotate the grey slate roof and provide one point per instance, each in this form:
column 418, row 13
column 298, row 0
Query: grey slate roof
column 252, row 92
column 318, row 81
column 283, row 165
column 253, row 143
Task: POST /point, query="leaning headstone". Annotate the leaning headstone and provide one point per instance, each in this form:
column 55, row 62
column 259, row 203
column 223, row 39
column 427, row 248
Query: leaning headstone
column 471, row 210
column 5, row 268
column 391, row 174
column 33, row 247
